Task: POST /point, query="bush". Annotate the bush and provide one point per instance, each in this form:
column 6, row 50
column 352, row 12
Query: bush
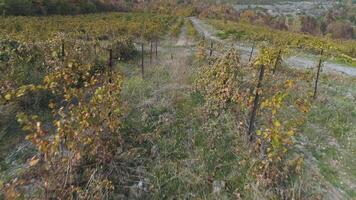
column 25, row 66
column 124, row 49
column 341, row 30
column 62, row 7
column 18, row 7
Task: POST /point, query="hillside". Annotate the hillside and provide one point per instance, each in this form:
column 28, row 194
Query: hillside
column 175, row 100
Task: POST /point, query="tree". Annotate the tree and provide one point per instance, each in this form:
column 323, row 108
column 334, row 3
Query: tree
column 62, row 7
column 309, row 25
column 18, row 7
column 248, row 15
column 279, row 23
column 341, row 30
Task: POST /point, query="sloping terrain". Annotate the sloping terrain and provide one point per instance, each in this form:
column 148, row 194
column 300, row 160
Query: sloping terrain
column 300, row 60
column 185, row 152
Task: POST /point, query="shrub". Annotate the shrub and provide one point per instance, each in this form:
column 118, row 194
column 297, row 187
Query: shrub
column 124, row 49
column 341, row 30
column 18, row 7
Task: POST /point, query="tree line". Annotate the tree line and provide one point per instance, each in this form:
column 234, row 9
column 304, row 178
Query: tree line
column 56, row 7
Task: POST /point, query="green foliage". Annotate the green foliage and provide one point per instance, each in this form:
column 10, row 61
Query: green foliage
column 191, row 31
column 69, row 73
column 227, row 85
column 248, row 32
column 176, row 28
column 28, row 60
column 85, row 135
column 18, row 7
column 124, row 49
column 86, row 113
column 88, row 27
column 54, row 7
column 222, row 82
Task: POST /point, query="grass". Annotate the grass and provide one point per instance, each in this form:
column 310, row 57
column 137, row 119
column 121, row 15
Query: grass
column 15, row 151
column 191, row 31
column 196, row 153
column 331, row 131
column 189, row 154
column 343, row 60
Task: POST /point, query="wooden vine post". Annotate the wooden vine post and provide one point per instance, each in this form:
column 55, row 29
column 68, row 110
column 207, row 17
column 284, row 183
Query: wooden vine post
column 251, row 53
column 318, row 74
column 156, row 48
column 142, row 60
column 63, row 51
column 151, row 52
column 256, row 103
column 110, row 64
column 277, row 61
column 171, row 48
column 211, row 48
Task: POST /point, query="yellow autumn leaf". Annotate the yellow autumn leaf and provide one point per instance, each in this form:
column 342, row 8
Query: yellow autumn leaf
column 288, row 83
column 276, row 123
column 117, row 111
column 270, row 155
column 34, row 161
column 259, row 132
column 8, row 97
column 290, row 133
column 274, row 111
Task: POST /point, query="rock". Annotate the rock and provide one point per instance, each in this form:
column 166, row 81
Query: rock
column 350, row 96
column 218, row 186
column 138, row 191
column 154, row 151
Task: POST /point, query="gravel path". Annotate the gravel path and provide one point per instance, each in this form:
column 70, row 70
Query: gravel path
column 295, row 61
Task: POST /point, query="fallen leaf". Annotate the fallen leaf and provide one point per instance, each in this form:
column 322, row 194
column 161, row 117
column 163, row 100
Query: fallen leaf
column 34, row 161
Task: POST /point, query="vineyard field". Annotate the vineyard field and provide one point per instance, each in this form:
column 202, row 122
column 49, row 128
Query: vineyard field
column 194, row 104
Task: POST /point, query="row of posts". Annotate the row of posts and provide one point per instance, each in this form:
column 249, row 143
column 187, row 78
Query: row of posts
column 257, row 96
column 259, row 82
column 151, row 55
column 259, row 87
column 111, row 63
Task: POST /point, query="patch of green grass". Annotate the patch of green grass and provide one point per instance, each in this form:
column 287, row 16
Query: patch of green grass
column 329, row 173
column 331, row 131
column 14, row 150
column 342, row 60
column 197, row 98
column 222, row 35
column 237, row 35
column 206, row 153
column 191, row 31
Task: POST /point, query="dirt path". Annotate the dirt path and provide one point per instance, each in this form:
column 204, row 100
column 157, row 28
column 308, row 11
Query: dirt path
column 183, row 40
column 204, row 29
column 306, row 61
